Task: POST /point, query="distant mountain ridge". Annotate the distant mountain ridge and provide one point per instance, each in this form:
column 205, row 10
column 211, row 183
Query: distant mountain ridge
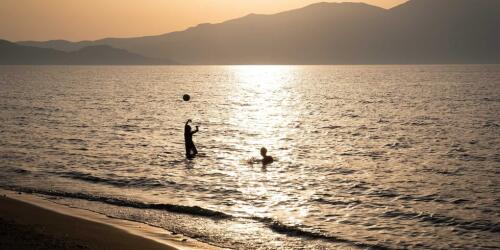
column 418, row 31
column 12, row 53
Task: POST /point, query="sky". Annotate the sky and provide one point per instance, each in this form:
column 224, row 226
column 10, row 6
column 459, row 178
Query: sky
column 77, row 20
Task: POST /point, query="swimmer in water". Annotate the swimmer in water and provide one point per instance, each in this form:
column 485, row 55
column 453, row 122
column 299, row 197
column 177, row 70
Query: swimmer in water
column 266, row 159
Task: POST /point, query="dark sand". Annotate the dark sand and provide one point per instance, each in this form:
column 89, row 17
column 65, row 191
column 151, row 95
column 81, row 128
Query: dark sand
column 17, row 236
column 32, row 222
column 25, row 226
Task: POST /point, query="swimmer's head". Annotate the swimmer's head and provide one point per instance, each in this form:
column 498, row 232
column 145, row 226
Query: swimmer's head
column 263, row 151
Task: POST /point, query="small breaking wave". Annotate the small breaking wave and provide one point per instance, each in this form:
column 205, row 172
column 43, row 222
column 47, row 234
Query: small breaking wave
column 191, row 210
column 274, row 225
column 292, row 230
column 122, row 182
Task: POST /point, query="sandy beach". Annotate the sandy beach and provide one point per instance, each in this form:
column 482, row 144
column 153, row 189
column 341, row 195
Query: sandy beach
column 32, row 222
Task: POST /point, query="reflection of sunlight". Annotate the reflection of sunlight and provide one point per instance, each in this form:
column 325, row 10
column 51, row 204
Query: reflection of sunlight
column 262, row 77
column 260, row 114
column 261, row 117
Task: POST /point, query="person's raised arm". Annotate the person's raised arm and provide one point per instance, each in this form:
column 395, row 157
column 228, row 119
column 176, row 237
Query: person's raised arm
column 196, row 130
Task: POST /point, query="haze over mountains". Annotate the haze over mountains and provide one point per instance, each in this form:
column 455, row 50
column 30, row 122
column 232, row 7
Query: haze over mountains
column 11, row 53
column 418, row 31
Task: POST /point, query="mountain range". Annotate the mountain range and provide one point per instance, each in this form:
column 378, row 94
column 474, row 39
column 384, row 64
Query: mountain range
column 415, row 32
column 11, row 53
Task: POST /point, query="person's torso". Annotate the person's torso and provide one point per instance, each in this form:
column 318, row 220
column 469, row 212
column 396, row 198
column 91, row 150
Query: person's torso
column 188, row 136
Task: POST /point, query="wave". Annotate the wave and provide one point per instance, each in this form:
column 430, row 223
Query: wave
column 16, row 170
column 117, row 182
column 386, row 193
column 191, row 210
column 274, row 225
column 291, row 230
column 442, row 220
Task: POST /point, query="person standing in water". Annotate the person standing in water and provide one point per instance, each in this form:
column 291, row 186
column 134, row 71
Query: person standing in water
column 266, row 159
column 191, row 150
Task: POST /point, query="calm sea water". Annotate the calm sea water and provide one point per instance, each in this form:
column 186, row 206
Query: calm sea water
column 388, row 157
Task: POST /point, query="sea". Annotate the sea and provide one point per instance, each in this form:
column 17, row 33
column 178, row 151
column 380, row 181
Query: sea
column 366, row 157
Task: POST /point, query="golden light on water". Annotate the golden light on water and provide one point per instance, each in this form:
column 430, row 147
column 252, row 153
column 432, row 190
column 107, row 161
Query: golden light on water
column 261, row 94
column 263, row 117
column 263, row 78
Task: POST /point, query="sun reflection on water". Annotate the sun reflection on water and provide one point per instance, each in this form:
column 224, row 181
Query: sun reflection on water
column 263, row 118
column 261, row 115
column 262, row 77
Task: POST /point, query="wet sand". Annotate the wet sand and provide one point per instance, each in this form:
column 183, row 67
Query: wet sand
column 31, row 222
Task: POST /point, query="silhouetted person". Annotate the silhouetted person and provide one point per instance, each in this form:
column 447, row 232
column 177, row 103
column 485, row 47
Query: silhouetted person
column 266, row 159
column 191, row 150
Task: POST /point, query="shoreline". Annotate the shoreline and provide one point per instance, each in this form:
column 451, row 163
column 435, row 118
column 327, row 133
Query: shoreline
column 28, row 221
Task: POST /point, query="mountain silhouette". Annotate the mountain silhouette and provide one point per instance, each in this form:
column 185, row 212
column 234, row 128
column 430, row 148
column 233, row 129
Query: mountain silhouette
column 12, row 53
column 418, row 31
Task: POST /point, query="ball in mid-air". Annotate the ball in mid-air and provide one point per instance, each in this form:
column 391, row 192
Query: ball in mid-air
column 186, row 97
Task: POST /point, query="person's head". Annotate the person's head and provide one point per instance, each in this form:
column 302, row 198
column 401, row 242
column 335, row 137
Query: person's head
column 263, row 151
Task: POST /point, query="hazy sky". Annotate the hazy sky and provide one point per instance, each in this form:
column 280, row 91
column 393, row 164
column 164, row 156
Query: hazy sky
column 93, row 19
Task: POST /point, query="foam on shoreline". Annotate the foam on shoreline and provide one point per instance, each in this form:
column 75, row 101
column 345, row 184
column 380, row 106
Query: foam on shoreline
column 131, row 232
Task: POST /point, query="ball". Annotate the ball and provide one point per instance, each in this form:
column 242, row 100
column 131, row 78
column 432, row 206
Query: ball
column 186, row 97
